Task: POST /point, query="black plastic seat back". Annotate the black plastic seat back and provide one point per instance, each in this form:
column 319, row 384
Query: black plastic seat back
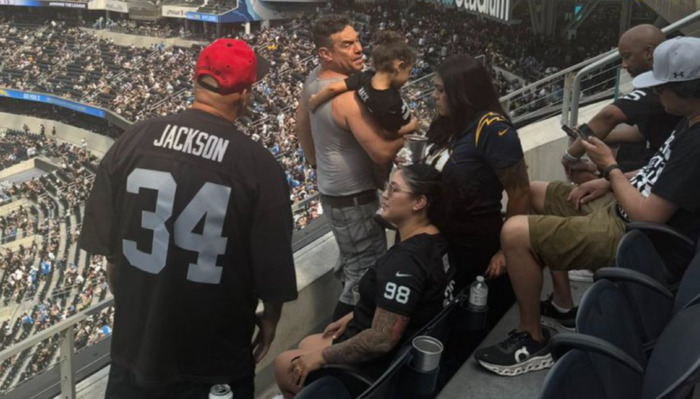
column 574, row 377
column 674, row 366
column 325, row 388
column 689, row 287
column 385, row 386
column 605, row 313
column 675, row 249
column 637, row 252
column 651, row 310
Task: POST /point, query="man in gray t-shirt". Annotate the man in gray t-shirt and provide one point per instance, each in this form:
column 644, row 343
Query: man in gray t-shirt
column 340, row 139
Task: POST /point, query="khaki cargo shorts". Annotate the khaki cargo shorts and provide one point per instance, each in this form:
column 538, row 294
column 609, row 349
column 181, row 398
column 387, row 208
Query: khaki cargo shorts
column 567, row 239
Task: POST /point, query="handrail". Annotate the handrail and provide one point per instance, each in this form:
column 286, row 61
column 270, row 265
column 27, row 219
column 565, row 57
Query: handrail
column 555, row 76
column 614, row 56
column 51, row 331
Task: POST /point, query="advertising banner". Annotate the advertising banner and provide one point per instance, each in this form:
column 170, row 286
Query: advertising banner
column 36, row 3
column 198, row 16
column 48, row 99
column 177, row 11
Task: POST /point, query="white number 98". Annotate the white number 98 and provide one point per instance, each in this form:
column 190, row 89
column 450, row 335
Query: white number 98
column 398, row 293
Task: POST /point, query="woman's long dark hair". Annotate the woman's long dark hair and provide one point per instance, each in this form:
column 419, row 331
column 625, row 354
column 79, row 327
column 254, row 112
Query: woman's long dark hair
column 425, row 180
column 470, row 91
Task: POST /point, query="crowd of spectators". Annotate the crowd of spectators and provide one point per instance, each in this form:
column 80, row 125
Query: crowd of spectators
column 138, row 83
column 48, row 273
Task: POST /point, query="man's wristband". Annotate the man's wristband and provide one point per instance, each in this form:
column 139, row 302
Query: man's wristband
column 606, row 171
column 570, row 157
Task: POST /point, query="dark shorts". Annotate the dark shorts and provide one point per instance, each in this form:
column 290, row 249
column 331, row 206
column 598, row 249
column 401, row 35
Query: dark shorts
column 361, row 242
column 567, row 239
column 122, row 384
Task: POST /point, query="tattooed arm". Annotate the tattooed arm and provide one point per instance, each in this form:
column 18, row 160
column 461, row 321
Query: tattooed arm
column 385, row 333
column 515, row 181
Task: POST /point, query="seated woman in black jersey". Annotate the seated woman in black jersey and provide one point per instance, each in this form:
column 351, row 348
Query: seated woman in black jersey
column 477, row 149
column 399, row 295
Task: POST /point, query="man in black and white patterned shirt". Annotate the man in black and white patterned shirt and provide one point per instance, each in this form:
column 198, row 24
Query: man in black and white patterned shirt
column 574, row 231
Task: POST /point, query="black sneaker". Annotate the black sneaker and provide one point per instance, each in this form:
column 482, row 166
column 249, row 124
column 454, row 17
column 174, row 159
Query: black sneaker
column 552, row 318
column 518, row 354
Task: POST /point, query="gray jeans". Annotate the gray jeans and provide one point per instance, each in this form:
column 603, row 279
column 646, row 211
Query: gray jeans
column 361, row 242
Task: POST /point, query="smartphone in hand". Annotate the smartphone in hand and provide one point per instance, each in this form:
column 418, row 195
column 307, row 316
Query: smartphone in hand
column 569, row 132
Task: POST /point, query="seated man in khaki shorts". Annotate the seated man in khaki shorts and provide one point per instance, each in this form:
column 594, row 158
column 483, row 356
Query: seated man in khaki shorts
column 580, row 227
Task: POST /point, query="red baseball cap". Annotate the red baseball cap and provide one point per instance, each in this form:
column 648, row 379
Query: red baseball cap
column 232, row 64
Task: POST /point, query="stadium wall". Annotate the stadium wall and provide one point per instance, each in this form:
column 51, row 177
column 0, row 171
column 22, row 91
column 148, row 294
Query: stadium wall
column 71, row 134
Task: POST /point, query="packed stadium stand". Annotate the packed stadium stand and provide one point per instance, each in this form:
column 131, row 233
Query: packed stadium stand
column 45, row 278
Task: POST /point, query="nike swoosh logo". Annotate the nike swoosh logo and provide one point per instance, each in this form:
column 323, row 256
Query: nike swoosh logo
column 402, row 275
column 502, row 132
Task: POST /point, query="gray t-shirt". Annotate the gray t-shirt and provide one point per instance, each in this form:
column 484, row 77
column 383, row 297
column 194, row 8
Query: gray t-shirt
column 344, row 168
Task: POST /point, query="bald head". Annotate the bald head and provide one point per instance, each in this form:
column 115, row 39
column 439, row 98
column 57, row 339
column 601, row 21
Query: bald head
column 644, row 35
column 637, row 46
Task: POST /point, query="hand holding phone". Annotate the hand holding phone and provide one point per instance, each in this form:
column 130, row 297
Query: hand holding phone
column 569, row 132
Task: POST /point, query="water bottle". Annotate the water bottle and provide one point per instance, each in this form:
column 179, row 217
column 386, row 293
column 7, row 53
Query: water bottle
column 478, row 295
column 220, row 391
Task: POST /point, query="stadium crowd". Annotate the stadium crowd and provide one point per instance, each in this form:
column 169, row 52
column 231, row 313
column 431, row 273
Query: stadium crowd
column 48, row 272
column 138, row 83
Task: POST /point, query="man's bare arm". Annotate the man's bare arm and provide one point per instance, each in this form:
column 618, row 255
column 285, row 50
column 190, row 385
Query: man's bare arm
column 350, row 115
column 385, row 333
column 639, row 208
column 625, row 134
column 303, row 131
column 601, row 125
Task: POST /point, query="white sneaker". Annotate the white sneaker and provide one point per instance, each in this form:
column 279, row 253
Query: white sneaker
column 584, row 276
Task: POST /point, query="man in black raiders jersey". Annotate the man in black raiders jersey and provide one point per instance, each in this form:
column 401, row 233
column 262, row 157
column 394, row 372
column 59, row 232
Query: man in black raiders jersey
column 636, row 121
column 195, row 222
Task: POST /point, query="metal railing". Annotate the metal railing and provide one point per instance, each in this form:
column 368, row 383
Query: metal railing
column 612, row 56
column 66, row 332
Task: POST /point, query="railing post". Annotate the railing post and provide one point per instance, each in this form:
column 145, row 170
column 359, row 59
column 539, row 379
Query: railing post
column 66, row 361
column 566, row 99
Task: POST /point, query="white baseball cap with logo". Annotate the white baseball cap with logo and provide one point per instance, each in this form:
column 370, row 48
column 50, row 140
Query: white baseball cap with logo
column 675, row 60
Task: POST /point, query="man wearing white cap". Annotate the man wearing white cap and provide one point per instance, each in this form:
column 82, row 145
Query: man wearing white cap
column 666, row 191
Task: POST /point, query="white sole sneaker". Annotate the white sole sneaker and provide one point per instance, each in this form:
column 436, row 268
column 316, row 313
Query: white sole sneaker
column 532, row 364
column 583, row 276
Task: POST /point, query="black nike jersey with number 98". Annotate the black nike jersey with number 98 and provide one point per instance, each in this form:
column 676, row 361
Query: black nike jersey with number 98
column 197, row 218
column 413, row 279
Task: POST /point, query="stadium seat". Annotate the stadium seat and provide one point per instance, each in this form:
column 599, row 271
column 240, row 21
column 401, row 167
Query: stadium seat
column 325, row 388
column 591, row 367
column 651, row 303
column 385, row 386
column 605, row 313
column 674, row 365
column 689, row 287
column 675, row 249
column 360, row 385
column 599, row 370
column 637, row 252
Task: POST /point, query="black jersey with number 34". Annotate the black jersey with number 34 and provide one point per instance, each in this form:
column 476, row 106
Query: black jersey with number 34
column 197, row 218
